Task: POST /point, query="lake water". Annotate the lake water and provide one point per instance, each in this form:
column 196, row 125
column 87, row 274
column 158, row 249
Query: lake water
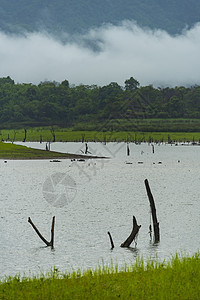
column 89, row 198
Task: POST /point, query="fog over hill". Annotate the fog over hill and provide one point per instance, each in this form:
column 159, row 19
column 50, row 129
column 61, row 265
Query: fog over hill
column 157, row 43
column 80, row 15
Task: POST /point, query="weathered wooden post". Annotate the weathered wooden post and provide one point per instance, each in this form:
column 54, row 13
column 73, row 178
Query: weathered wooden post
column 133, row 234
column 153, row 211
column 51, row 243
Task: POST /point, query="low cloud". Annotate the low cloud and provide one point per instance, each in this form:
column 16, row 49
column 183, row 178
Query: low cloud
column 106, row 54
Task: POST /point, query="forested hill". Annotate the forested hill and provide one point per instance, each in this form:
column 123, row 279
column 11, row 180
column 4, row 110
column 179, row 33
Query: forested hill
column 51, row 103
column 80, row 15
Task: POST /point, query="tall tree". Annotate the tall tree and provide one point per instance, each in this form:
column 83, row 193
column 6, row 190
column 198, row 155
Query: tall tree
column 131, row 84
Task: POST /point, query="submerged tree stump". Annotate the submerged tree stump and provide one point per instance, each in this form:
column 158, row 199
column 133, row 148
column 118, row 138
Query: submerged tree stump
column 128, row 150
column 152, row 148
column 111, row 241
column 153, row 211
column 133, row 234
column 51, row 243
column 86, row 148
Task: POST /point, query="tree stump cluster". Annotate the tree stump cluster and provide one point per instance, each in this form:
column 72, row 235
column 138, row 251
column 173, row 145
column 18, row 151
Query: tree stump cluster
column 131, row 237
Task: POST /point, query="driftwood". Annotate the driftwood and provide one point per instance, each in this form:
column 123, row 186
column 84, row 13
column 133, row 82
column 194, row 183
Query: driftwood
column 133, row 234
column 153, row 211
column 111, row 240
column 51, row 243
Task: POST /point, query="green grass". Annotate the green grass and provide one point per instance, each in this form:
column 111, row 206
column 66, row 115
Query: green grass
column 12, row 151
column 112, row 130
column 68, row 135
column 140, row 125
column 176, row 279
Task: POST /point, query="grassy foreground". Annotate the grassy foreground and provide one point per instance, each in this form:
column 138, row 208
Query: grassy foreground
column 177, row 279
column 12, row 151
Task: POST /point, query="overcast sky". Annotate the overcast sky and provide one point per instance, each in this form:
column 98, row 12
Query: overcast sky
column 151, row 57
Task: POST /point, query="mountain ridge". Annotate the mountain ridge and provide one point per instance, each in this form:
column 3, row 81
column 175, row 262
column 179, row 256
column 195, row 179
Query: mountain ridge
column 78, row 17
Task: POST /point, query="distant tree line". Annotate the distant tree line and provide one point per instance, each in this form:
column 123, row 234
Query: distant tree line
column 63, row 104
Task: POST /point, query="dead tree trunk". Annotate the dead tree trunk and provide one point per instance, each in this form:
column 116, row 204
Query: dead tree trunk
column 52, row 232
column 25, row 131
column 111, row 240
column 152, row 148
column 128, row 150
column 86, row 148
column 153, row 211
column 53, row 134
column 14, row 136
column 51, row 243
column 133, row 234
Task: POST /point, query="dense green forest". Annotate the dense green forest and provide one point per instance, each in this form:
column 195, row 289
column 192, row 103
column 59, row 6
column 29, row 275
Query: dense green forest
column 78, row 16
column 53, row 103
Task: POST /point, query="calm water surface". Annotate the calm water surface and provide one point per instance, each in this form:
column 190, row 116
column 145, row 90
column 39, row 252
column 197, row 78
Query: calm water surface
column 98, row 196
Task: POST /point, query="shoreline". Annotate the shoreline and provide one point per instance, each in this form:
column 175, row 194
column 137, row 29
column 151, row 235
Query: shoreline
column 177, row 278
column 17, row 152
column 73, row 157
column 53, row 157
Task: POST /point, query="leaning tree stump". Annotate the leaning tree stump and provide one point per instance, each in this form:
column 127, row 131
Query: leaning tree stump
column 153, row 211
column 51, row 243
column 111, row 241
column 133, row 234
